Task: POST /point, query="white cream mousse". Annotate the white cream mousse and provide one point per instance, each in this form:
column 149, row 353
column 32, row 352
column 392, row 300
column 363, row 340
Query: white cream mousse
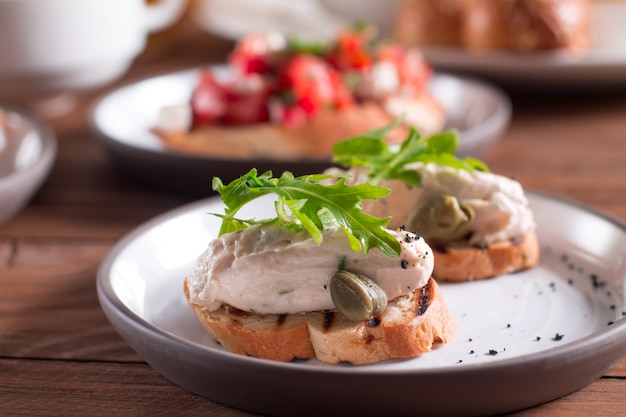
column 501, row 209
column 271, row 270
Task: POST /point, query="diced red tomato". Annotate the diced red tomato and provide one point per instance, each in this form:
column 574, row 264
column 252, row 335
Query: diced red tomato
column 207, row 101
column 308, row 77
column 247, row 105
column 288, row 115
column 242, row 101
column 300, row 84
column 314, row 84
column 256, row 53
column 413, row 71
column 343, row 96
column 351, row 52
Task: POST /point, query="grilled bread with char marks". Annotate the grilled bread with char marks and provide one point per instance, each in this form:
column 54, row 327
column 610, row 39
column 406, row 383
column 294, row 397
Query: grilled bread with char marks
column 410, row 326
column 459, row 261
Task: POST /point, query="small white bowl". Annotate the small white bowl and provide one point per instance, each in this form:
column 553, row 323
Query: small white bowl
column 27, row 152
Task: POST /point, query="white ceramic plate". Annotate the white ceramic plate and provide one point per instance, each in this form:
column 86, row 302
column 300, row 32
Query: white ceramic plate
column 123, row 120
column 604, row 64
column 523, row 339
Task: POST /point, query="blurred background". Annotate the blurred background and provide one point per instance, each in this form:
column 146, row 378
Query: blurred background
column 114, row 65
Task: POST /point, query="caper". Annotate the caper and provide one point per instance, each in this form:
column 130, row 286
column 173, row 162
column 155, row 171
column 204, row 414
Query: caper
column 442, row 219
column 356, row 296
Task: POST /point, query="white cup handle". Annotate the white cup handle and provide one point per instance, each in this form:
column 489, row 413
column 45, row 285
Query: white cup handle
column 162, row 14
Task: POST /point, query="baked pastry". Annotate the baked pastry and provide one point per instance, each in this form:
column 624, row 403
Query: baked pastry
column 478, row 224
column 429, row 22
column 487, row 25
column 527, row 25
column 284, row 98
column 277, row 293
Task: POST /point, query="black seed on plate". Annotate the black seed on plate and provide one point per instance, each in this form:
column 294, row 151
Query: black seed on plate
column 557, row 337
column 459, row 361
column 493, row 352
column 404, row 264
column 470, row 340
column 553, row 286
column 537, row 338
column 595, row 280
column 612, row 307
column 610, row 323
column 471, row 352
column 508, row 325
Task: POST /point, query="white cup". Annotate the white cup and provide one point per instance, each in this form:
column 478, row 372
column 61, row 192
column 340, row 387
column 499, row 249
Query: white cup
column 51, row 46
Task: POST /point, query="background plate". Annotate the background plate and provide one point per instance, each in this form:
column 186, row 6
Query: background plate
column 123, row 118
column 603, row 65
column 523, row 339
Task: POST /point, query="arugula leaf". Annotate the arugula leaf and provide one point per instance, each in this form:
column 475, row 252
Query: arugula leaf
column 301, row 45
column 386, row 162
column 304, row 203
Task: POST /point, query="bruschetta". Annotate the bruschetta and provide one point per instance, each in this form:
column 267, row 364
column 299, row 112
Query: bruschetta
column 285, row 98
column 281, row 291
column 478, row 224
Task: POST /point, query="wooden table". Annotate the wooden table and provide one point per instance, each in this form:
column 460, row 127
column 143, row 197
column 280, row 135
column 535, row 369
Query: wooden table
column 59, row 356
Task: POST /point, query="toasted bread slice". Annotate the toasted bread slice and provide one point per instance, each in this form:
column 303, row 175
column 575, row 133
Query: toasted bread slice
column 312, row 140
column 410, row 326
column 459, row 261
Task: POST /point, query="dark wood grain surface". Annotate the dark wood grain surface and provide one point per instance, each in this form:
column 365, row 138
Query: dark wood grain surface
column 59, row 356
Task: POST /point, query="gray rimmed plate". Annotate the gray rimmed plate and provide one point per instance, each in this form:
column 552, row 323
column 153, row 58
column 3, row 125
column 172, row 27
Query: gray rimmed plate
column 523, row 339
column 123, row 119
